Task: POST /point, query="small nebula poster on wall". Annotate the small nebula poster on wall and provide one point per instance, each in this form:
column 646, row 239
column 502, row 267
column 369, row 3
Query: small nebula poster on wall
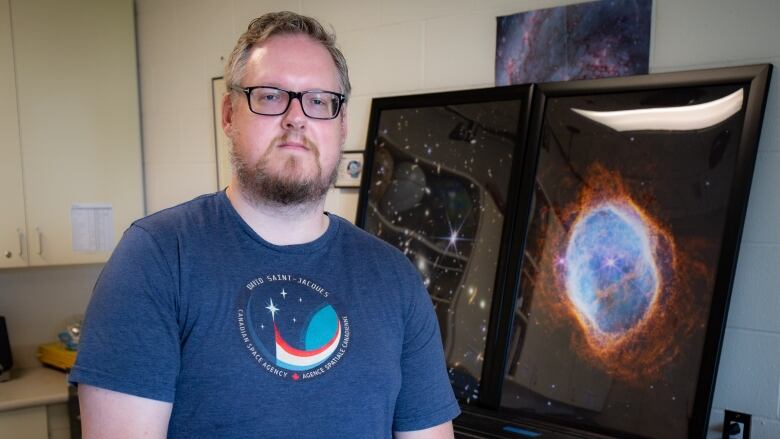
column 583, row 41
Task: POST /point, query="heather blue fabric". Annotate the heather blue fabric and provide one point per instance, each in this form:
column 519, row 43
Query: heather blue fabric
column 333, row 338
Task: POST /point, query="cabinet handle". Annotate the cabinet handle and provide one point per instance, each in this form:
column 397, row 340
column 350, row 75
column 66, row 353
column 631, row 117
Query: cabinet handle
column 40, row 241
column 21, row 242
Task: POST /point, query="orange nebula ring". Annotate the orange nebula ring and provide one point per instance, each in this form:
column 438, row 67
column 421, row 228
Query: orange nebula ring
column 645, row 350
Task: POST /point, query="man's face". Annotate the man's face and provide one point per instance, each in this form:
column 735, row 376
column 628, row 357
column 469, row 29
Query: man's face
column 289, row 158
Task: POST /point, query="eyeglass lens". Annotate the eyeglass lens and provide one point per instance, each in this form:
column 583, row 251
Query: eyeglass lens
column 316, row 104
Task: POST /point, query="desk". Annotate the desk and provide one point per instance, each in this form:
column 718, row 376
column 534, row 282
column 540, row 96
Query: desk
column 33, row 387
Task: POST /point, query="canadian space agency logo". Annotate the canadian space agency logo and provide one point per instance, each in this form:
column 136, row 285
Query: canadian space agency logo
column 291, row 327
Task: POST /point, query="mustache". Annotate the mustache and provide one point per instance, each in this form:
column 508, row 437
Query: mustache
column 298, row 139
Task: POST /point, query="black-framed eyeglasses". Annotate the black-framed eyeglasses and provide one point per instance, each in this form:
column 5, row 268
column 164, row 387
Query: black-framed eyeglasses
column 273, row 101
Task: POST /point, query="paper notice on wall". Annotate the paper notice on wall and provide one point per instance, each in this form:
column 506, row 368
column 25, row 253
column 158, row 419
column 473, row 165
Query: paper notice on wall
column 92, row 227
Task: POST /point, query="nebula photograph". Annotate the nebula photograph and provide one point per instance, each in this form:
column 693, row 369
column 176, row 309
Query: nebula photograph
column 620, row 257
column 582, row 41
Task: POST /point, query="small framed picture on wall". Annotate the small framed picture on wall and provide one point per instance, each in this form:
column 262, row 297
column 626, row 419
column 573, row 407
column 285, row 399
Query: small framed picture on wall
column 350, row 170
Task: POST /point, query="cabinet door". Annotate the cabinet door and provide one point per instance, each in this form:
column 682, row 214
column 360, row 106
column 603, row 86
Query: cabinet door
column 28, row 423
column 12, row 228
column 76, row 76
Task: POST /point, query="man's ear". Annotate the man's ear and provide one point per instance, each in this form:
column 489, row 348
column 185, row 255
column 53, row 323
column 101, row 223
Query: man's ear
column 227, row 114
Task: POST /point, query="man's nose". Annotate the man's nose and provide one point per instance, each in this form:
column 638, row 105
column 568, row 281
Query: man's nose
column 294, row 116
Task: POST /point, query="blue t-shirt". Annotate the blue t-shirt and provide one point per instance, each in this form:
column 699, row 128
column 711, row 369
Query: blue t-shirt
column 332, row 338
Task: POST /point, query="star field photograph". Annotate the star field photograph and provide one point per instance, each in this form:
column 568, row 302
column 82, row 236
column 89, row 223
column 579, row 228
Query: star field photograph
column 583, row 41
column 438, row 189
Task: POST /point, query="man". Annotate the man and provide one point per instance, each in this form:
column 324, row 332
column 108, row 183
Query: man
column 251, row 313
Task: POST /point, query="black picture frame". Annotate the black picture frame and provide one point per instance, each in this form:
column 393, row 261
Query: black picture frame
column 492, row 418
column 507, row 107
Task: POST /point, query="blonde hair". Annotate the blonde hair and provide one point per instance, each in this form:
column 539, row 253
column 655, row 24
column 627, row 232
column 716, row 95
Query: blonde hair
column 283, row 23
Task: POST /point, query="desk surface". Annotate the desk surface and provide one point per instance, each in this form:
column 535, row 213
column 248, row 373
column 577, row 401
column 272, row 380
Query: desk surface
column 33, row 387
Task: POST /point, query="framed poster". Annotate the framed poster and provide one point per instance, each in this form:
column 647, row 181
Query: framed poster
column 439, row 185
column 597, row 39
column 350, row 169
column 634, row 192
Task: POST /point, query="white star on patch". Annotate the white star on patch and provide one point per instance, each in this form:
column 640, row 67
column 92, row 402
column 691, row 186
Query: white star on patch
column 283, row 293
column 271, row 307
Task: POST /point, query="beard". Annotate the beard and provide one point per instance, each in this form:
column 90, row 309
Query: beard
column 289, row 187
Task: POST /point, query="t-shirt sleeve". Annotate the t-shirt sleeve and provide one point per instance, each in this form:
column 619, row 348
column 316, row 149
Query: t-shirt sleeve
column 130, row 337
column 426, row 398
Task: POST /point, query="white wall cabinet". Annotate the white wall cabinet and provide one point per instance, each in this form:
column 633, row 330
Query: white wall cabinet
column 70, row 132
column 29, row 423
column 36, row 422
column 12, row 225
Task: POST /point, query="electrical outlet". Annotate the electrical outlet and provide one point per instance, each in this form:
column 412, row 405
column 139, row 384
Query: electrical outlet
column 736, row 425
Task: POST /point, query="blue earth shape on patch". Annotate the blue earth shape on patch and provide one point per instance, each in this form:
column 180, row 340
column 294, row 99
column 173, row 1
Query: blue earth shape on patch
column 611, row 274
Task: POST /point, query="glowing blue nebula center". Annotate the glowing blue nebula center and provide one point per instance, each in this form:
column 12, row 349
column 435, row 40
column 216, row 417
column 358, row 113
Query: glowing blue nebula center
column 611, row 274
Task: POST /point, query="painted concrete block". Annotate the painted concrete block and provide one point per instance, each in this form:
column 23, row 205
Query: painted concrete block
column 755, row 298
column 161, row 137
column 460, row 51
column 707, row 31
column 763, row 214
column 246, row 10
column 204, row 34
column 170, row 184
column 358, row 115
column 715, row 430
column 749, row 373
column 342, row 202
column 196, row 136
column 770, row 132
column 344, row 15
column 396, row 11
column 765, row 428
column 386, row 59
